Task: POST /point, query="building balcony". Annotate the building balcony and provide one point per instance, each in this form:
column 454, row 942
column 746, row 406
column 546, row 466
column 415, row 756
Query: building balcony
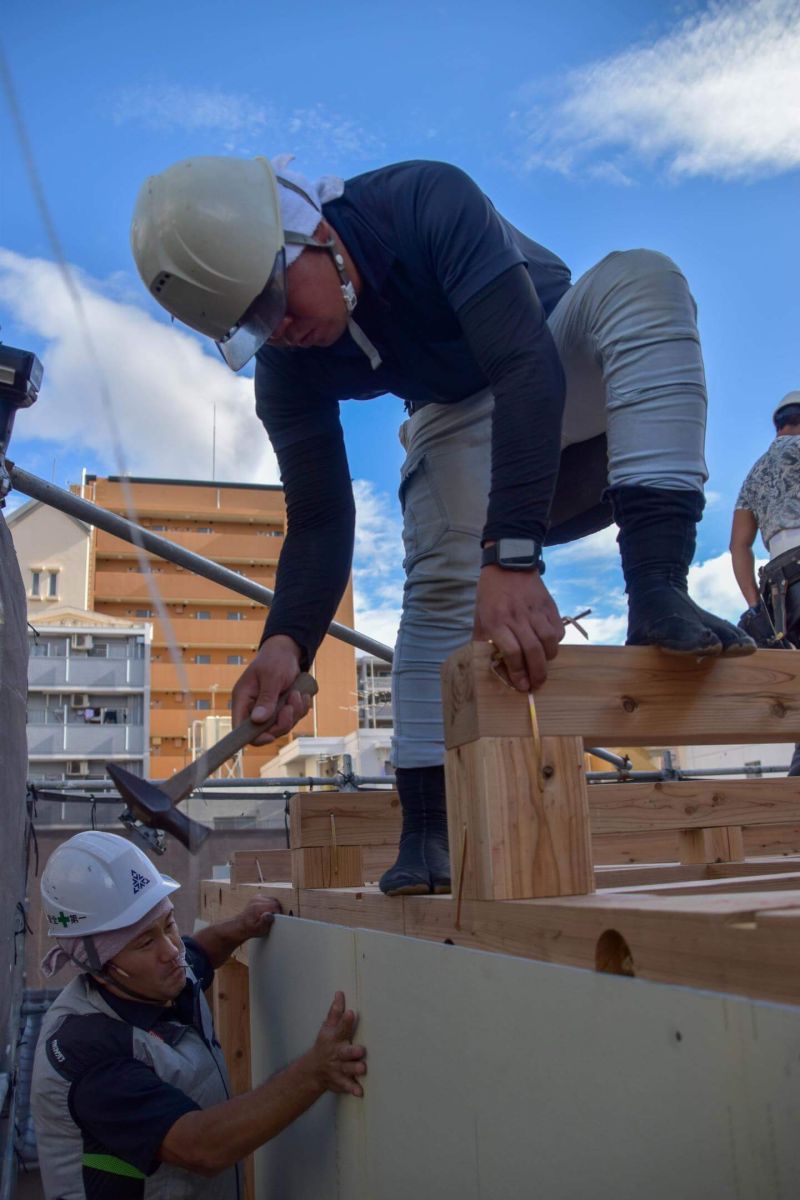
column 259, row 549
column 193, row 501
column 237, row 636
column 81, row 673
column 201, row 677
column 182, row 587
column 76, row 741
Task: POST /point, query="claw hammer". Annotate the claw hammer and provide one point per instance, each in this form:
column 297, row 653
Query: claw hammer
column 154, row 804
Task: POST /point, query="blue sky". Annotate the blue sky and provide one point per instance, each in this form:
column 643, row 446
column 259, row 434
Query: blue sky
column 592, row 125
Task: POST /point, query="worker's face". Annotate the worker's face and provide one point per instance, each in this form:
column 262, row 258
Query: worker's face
column 316, row 314
column 152, row 964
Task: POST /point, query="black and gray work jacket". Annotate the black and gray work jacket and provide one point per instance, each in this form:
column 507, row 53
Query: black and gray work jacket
column 111, row 1077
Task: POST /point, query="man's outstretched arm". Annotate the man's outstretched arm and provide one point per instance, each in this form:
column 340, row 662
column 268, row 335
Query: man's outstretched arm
column 312, row 575
column 210, row 1140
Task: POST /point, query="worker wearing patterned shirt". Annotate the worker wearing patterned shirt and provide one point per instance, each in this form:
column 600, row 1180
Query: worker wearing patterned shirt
column 769, row 503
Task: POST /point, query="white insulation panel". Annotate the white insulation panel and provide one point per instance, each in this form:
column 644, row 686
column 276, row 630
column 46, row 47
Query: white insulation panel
column 499, row 1078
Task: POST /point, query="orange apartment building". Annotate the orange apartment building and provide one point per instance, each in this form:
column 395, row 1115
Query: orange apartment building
column 215, row 630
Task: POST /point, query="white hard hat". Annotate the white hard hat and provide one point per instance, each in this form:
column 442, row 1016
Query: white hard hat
column 790, row 400
column 96, row 882
column 209, row 245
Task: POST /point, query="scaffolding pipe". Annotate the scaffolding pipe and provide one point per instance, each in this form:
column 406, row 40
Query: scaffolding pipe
column 129, row 531
column 74, row 792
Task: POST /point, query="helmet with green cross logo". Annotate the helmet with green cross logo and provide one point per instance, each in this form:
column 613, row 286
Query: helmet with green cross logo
column 96, row 882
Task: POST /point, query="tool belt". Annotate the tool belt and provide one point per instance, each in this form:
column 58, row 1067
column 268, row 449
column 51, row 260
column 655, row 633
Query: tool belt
column 775, row 580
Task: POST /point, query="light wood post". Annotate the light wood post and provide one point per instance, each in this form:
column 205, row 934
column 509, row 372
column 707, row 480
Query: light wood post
column 518, row 814
column 231, row 1005
column 720, row 843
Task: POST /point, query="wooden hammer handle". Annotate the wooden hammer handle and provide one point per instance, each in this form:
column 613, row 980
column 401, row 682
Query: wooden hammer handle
column 177, row 787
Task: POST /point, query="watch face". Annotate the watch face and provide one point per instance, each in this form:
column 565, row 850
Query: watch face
column 517, row 552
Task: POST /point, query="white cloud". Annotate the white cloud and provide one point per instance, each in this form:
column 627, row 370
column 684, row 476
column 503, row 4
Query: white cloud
column 713, row 586
column 239, row 120
column 719, row 95
column 600, row 545
column 377, row 563
column 142, row 385
column 602, row 631
column 170, row 106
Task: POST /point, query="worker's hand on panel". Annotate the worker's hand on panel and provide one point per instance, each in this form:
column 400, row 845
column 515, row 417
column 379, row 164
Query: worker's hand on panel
column 258, row 916
column 515, row 611
column 335, row 1061
column 255, row 694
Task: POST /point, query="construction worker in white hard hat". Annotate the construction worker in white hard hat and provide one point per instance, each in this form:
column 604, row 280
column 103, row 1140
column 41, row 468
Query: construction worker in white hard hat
column 537, row 411
column 769, row 503
column 130, row 1094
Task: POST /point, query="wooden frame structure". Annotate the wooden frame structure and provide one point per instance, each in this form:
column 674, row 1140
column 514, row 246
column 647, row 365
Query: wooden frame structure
column 548, row 867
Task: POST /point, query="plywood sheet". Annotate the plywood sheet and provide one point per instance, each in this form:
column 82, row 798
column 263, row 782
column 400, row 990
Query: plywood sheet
column 492, row 1077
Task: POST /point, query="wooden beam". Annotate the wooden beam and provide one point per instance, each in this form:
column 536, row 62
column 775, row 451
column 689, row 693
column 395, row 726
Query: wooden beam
column 656, row 846
column 706, row 942
column 788, row 881
column 518, row 818
column 327, row 866
column 364, row 908
column 349, row 818
column 261, row 866
column 636, row 875
column 629, row 696
column 692, row 804
column 746, row 943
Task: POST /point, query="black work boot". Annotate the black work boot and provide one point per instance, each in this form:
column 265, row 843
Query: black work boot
column 423, row 863
column 657, row 533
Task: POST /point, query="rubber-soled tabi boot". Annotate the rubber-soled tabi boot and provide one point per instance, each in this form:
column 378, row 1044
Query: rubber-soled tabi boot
column 657, row 536
column 423, row 861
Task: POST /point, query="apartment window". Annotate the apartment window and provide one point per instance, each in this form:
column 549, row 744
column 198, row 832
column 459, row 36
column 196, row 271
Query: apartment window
column 235, row 660
column 202, row 659
column 202, row 704
column 36, row 580
column 144, row 612
column 202, row 616
column 204, row 529
column 235, row 616
column 52, row 589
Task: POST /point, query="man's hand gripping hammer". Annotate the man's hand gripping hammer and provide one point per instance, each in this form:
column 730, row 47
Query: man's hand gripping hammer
column 155, row 804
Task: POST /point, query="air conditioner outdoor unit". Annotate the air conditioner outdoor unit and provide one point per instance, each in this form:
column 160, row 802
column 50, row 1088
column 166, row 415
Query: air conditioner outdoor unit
column 82, row 641
column 80, row 700
column 78, row 766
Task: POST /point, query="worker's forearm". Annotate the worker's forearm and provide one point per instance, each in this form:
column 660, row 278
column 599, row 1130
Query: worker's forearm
column 219, row 941
column 744, row 569
column 315, row 561
column 212, row 1139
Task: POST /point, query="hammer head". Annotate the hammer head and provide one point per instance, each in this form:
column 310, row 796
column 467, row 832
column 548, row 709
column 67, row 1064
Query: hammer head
column 153, row 807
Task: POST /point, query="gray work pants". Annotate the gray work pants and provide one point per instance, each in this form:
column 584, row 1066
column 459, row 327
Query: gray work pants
column 627, row 337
